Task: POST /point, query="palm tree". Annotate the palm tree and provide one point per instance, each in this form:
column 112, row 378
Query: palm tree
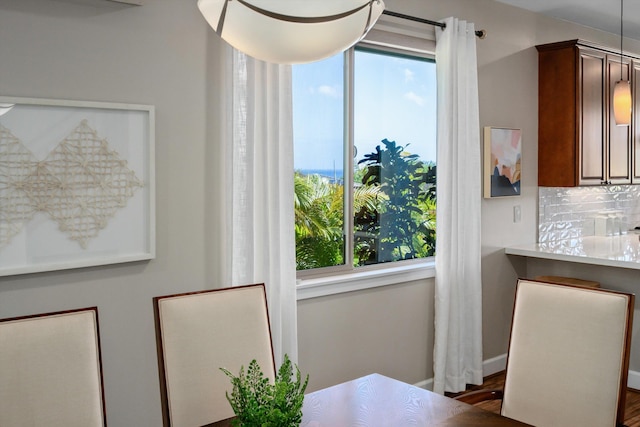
column 318, row 208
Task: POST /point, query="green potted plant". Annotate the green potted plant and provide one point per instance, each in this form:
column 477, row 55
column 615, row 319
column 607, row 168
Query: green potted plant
column 259, row 403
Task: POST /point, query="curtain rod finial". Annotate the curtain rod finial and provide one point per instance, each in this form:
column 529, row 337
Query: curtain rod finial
column 481, row 34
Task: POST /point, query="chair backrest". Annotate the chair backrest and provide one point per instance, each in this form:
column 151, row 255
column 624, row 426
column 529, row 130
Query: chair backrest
column 568, row 355
column 200, row 332
column 51, row 371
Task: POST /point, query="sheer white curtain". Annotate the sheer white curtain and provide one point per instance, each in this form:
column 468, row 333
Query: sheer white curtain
column 259, row 221
column 458, row 299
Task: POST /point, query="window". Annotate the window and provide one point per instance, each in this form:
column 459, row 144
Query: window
column 364, row 158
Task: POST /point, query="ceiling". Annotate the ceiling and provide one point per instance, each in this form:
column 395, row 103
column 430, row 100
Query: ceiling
column 600, row 14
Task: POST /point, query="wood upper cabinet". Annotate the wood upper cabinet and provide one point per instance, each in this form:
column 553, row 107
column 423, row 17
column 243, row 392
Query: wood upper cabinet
column 578, row 140
column 635, row 129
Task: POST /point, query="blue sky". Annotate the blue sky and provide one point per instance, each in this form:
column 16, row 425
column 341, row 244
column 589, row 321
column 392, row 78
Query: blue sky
column 395, row 98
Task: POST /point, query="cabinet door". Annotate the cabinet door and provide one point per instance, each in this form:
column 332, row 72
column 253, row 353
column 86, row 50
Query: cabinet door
column 592, row 90
column 619, row 137
column 635, row 121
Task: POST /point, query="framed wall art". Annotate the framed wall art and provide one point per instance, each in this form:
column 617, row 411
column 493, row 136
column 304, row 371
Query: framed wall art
column 77, row 184
column 502, row 161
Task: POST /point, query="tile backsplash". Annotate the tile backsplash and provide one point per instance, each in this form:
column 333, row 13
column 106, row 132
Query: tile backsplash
column 569, row 213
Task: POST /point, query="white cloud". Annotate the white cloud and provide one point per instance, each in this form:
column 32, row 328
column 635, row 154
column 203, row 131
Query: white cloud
column 410, row 96
column 408, row 75
column 330, row 91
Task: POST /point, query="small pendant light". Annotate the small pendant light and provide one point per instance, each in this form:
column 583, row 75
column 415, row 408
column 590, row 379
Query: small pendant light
column 622, row 89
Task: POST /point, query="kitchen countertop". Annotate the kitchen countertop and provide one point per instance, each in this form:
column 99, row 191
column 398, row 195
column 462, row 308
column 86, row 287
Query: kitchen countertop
column 613, row 251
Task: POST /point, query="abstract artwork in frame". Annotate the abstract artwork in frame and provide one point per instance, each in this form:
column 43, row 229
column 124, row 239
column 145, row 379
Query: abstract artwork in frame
column 77, row 184
column 502, row 161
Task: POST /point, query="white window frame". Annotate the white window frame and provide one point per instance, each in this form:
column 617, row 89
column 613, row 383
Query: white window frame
column 392, row 35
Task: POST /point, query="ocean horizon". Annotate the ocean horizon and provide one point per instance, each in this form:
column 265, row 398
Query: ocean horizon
column 336, row 174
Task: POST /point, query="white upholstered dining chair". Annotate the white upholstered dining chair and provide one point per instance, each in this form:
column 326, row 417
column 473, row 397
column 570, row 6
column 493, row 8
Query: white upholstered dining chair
column 197, row 334
column 51, row 371
column 568, row 357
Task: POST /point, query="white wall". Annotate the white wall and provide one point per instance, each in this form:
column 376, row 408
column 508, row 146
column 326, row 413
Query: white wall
column 163, row 54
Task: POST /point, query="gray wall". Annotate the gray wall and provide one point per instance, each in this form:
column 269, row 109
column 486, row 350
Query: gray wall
column 164, row 54
column 103, row 51
column 388, row 330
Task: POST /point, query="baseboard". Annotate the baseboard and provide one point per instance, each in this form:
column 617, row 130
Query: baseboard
column 499, row 363
column 489, row 367
column 426, row 384
column 494, row 365
column 634, row 380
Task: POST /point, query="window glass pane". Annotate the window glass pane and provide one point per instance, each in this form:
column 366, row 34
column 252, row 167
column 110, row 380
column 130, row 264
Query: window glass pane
column 394, row 142
column 318, row 129
column 394, row 168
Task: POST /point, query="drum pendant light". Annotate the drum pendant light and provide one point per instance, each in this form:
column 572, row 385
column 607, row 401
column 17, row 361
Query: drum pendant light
column 291, row 31
column 622, row 89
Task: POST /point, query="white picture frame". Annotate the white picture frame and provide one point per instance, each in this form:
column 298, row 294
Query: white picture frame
column 77, row 184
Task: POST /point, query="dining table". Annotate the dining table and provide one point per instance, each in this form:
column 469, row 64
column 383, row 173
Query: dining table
column 379, row 401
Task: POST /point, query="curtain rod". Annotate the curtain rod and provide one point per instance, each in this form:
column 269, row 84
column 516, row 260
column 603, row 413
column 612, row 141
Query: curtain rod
column 480, row 33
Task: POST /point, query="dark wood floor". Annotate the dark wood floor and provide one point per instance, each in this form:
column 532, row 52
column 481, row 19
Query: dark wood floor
column 496, row 381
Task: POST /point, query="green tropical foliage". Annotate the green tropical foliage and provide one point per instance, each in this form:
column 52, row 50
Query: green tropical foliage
column 399, row 227
column 394, row 205
column 318, row 208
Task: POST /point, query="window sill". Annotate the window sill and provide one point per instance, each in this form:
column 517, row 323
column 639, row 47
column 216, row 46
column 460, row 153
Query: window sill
column 331, row 285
